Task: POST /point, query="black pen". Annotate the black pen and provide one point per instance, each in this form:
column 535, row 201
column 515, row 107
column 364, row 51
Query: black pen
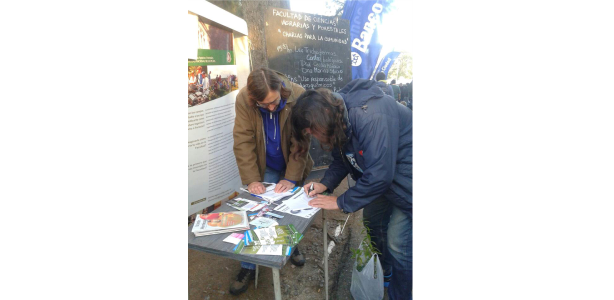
column 310, row 189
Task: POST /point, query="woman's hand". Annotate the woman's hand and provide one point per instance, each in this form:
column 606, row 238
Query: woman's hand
column 256, row 188
column 283, row 186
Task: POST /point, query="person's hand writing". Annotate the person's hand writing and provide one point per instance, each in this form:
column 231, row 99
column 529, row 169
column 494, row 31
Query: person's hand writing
column 256, row 188
column 324, row 202
column 283, row 186
column 318, row 188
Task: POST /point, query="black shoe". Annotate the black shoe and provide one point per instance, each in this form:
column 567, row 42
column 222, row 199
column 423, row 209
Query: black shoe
column 243, row 279
column 297, row 258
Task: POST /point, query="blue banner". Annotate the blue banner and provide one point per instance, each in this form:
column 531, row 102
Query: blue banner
column 387, row 62
column 365, row 19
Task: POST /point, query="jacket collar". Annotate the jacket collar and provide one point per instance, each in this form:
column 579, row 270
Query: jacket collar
column 287, row 84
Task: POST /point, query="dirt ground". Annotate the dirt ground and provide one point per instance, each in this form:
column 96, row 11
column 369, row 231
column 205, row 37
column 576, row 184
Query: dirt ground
column 210, row 276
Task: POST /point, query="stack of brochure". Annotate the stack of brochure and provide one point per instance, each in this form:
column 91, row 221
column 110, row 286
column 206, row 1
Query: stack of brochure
column 274, row 235
column 222, row 222
column 274, row 240
column 263, row 250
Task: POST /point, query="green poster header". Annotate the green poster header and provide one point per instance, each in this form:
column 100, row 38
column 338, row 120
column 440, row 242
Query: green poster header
column 213, row 57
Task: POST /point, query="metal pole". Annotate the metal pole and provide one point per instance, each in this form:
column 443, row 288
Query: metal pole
column 256, row 281
column 324, row 232
column 276, row 283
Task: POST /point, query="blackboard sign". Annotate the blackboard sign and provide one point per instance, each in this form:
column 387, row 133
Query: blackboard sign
column 311, row 50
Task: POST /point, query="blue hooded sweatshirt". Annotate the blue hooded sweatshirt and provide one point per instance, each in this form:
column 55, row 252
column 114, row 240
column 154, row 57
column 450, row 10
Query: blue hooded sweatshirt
column 378, row 154
column 270, row 120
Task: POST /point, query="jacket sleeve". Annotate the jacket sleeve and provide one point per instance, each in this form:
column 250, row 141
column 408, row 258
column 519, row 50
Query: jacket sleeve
column 244, row 134
column 335, row 173
column 378, row 139
column 295, row 167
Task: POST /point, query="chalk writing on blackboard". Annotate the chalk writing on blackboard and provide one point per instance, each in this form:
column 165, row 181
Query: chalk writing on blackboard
column 311, row 50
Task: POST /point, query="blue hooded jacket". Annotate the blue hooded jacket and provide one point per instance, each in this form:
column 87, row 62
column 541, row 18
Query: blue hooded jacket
column 378, row 154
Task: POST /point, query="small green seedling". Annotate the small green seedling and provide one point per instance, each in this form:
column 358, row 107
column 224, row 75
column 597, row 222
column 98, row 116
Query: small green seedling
column 362, row 255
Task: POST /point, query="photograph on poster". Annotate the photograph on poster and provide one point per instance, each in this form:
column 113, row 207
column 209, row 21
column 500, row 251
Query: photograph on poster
column 213, row 37
column 207, row 83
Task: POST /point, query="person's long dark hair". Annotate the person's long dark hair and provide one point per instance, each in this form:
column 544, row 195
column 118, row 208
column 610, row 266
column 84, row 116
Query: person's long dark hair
column 260, row 82
column 322, row 113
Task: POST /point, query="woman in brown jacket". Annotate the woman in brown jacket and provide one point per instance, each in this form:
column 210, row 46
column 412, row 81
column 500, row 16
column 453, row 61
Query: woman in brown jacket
column 264, row 146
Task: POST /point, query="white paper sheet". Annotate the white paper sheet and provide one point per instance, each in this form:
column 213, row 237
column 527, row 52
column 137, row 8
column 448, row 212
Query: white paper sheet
column 263, row 222
column 299, row 201
column 303, row 213
column 272, row 196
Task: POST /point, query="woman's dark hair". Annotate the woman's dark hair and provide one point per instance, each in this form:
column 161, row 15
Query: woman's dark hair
column 322, row 113
column 260, row 82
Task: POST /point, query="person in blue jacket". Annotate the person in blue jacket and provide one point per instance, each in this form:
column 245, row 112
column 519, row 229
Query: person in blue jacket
column 370, row 136
column 382, row 84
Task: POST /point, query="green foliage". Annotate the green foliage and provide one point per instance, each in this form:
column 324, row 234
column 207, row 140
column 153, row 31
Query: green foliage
column 362, row 255
column 334, row 8
column 402, row 68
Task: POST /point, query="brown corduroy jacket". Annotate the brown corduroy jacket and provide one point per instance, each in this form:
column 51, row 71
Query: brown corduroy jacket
column 249, row 141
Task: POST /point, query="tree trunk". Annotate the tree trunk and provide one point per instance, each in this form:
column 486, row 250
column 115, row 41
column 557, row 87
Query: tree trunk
column 254, row 13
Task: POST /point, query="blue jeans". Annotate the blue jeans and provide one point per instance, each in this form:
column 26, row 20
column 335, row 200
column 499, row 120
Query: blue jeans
column 377, row 215
column 400, row 248
column 391, row 230
column 271, row 176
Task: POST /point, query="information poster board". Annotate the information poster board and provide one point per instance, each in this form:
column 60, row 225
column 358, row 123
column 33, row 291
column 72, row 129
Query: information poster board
column 311, row 50
column 213, row 84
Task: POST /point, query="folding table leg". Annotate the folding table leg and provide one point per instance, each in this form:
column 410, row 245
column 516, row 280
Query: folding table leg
column 256, row 280
column 325, row 259
column 276, row 283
